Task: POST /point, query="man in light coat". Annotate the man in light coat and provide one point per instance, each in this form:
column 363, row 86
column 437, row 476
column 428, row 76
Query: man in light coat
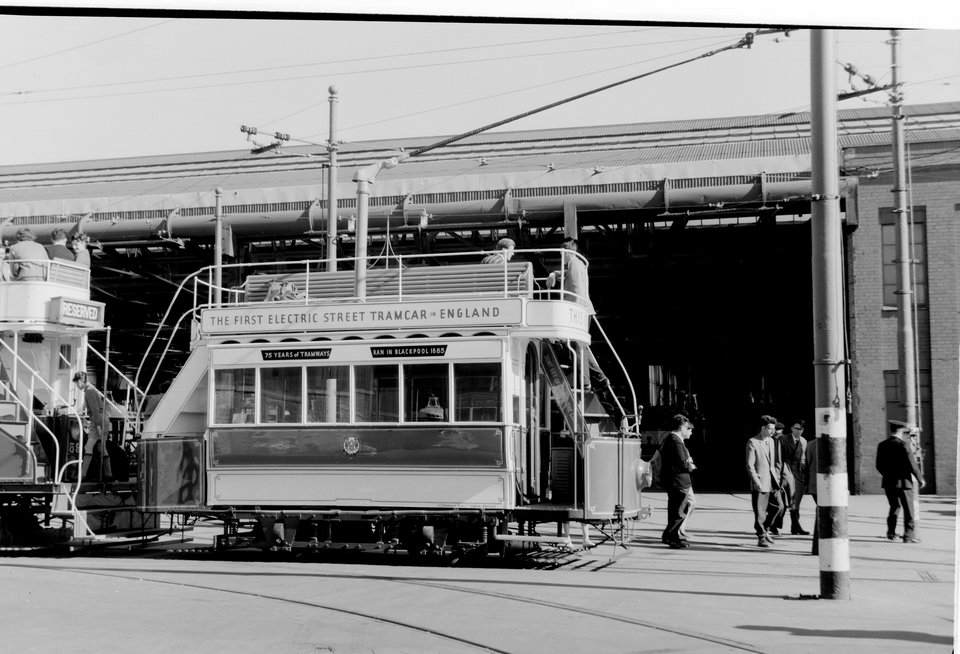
column 763, row 468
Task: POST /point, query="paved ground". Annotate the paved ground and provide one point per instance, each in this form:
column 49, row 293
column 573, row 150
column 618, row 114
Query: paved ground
column 721, row 595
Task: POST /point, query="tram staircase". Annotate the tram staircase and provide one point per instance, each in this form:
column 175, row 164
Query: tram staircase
column 587, row 416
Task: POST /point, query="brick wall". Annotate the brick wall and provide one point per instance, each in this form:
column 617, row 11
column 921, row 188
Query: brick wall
column 873, row 332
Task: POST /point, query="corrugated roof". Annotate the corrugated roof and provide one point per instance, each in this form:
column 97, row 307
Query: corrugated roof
column 603, row 147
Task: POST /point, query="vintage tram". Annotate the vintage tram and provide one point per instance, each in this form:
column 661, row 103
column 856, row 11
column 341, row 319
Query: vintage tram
column 49, row 493
column 427, row 404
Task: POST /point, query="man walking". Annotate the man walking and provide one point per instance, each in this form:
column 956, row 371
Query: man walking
column 762, row 465
column 794, row 447
column 676, row 464
column 901, row 474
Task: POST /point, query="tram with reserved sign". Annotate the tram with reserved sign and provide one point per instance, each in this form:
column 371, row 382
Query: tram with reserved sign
column 434, row 404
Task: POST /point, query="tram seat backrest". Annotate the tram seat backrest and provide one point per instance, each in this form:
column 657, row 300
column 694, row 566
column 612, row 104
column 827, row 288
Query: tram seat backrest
column 418, row 281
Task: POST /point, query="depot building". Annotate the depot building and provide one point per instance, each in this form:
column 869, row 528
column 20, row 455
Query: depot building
column 697, row 232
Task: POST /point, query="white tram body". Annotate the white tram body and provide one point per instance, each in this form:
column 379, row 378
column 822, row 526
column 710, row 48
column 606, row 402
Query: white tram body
column 425, row 397
column 46, row 495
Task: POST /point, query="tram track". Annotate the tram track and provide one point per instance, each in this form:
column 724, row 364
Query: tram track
column 703, row 638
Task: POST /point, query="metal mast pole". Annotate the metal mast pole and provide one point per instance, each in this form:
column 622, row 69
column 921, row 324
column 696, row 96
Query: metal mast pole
column 828, row 323
column 332, row 148
column 905, row 338
column 218, row 247
column 906, row 344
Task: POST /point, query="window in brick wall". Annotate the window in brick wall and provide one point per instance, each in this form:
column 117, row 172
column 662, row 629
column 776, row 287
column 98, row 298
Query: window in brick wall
column 888, row 236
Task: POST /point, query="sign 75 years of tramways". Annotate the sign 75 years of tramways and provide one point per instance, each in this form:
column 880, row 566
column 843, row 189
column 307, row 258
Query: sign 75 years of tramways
column 328, row 317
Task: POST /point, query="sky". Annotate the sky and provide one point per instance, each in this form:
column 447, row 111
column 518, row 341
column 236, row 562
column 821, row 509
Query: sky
column 85, row 87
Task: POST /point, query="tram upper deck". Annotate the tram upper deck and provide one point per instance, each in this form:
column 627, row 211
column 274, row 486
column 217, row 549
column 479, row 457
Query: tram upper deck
column 418, row 293
column 54, row 297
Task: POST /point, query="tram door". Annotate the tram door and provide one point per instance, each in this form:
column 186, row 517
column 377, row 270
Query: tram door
column 535, row 449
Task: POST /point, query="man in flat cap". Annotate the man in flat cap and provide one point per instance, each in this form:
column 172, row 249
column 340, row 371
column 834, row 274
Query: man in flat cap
column 902, row 479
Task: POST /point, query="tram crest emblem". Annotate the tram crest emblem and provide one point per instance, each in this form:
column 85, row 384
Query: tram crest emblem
column 351, row 445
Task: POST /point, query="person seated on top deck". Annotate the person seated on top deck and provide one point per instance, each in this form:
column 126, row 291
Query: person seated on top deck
column 58, row 247
column 26, row 257
column 503, row 253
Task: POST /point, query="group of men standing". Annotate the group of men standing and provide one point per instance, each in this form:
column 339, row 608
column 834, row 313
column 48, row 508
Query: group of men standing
column 25, row 257
column 778, row 465
column 782, row 468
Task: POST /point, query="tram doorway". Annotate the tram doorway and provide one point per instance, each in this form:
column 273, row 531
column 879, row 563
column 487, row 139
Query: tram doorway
column 717, row 322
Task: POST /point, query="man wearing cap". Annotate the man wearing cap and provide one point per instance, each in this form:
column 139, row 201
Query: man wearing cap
column 27, row 256
column 898, row 468
column 503, row 253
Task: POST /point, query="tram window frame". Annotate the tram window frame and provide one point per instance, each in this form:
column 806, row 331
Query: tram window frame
column 277, row 405
column 421, row 382
column 317, row 393
column 233, row 397
column 467, row 390
column 370, row 411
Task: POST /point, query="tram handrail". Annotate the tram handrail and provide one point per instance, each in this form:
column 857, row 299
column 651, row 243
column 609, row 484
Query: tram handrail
column 623, row 368
column 136, row 379
column 35, row 375
column 57, row 271
column 166, row 349
column 310, row 266
column 131, row 386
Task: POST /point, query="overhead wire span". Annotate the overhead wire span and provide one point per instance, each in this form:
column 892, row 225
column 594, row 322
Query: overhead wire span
column 745, row 42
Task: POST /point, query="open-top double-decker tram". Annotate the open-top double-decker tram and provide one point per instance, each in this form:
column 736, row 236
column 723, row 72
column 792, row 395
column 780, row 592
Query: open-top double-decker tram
column 57, row 484
column 418, row 406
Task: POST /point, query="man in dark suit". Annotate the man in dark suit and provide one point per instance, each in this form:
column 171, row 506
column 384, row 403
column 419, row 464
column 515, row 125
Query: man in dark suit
column 901, row 479
column 58, row 248
column 676, row 464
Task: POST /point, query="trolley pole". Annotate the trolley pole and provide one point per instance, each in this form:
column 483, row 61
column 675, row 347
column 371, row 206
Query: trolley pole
column 906, row 348
column 218, row 247
column 332, row 148
column 828, row 323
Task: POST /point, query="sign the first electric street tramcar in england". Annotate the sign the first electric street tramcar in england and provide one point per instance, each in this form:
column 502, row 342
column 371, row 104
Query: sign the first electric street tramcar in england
column 293, row 317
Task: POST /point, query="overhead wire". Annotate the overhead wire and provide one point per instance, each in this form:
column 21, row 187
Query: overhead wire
column 27, row 93
column 264, row 69
column 84, row 45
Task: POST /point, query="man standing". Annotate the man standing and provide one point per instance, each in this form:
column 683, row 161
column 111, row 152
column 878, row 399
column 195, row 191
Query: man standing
column 676, row 464
column 58, row 248
column 793, row 447
column 899, row 467
column 764, row 487
column 93, row 402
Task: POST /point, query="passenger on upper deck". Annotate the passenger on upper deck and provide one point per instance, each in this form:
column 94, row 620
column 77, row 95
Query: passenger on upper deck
column 58, row 248
column 26, row 257
column 80, row 247
column 503, row 253
column 574, row 274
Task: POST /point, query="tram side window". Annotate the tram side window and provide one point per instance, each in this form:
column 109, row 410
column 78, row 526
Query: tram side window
column 477, row 391
column 328, row 394
column 377, row 393
column 234, row 396
column 425, row 387
column 281, row 395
